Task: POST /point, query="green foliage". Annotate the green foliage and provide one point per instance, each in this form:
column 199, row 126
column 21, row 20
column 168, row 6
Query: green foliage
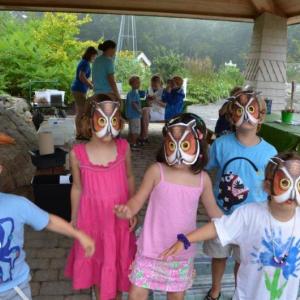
column 41, row 49
column 207, row 85
column 126, row 66
column 167, row 63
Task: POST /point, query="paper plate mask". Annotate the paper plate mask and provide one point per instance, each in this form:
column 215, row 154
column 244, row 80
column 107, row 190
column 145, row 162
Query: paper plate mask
column 245, row 108
column 107, row 119
column 182, row 143
column 285, row 184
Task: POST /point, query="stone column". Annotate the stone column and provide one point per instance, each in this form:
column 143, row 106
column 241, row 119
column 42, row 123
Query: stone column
column 266, row 63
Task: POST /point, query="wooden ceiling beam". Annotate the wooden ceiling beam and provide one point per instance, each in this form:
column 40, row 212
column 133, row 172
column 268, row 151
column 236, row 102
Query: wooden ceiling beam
column 270, row 6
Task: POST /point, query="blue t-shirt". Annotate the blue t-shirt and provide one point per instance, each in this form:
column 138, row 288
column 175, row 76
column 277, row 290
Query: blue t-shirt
column 131, row 112
column 102, row 67
column 15, row 212
column 240, row 171
column 174, row 101
column 78, row 85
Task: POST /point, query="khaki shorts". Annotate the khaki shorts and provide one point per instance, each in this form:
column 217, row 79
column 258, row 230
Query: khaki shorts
column 134, row 126
column 214, row 249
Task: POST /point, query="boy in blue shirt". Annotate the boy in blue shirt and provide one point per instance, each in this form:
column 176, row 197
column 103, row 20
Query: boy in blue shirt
column 173, row 96
column 134, row 111
column 240, row 159
column 15, row 212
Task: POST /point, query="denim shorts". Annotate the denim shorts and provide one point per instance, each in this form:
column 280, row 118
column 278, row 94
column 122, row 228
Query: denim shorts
column 12, row 294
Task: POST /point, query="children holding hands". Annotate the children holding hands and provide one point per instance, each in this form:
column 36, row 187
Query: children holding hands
column 174, row 184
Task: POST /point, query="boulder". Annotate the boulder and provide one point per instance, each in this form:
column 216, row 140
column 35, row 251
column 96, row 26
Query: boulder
column 18, row 169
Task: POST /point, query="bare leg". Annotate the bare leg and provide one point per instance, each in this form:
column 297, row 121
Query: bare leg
column 218, row 266
column 138, row 293
column 236, row 269
column 97, row 292
column 119, row 296
column 145, row 123
column 175, row 296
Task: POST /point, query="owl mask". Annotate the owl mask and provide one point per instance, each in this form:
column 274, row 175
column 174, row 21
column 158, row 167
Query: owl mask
column 106, row 119
column 285, row 184
column 246, row 107
column 182, row 143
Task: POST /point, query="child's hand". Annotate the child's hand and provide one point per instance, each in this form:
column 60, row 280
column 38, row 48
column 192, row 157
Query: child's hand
column 123, row 212
column 132, row 223
column 87, row 244
column 176, row 248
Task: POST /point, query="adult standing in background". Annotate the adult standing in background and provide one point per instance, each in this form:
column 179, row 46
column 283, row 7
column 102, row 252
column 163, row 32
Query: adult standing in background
column 104, row 69
column 81, row 84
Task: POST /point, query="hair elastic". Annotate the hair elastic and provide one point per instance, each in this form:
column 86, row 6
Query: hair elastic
column 182, row 238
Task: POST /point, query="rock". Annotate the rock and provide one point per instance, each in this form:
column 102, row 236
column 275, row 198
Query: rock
column 18, row 169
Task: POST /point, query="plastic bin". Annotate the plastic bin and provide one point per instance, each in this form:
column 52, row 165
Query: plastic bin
column 57, row 159
column 52, row 196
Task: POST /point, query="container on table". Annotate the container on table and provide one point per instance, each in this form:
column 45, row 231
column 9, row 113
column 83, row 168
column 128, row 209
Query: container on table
column 57, row 159
column 52, row 194
column 269, row 106
column 287, row 116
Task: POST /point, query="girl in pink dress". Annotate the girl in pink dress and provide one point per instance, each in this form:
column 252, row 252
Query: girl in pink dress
column 102, row 178
column 175, row 184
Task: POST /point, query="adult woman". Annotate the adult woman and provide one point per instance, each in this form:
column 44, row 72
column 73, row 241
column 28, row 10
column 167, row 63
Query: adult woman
column 81, row 84
column 103, row 71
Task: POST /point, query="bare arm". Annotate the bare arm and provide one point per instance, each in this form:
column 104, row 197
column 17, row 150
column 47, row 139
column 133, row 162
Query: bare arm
column 112, row 82
column 134, row 205
column 130, row 176
column 206, row 232
column 208, row 198
column 58, row 225
column 85, row 80
column 76, row 187
column 161, row 103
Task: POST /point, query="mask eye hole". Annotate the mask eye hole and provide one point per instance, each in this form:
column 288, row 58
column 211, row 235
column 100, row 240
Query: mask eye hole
column 251, row 109
column 172, row 146
column 298, row 186
column 101, row 122
column 285, row 184
column 114, row 121
column 239, row 111
column 185, row 146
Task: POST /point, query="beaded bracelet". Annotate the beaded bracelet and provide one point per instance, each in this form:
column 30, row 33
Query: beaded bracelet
column 182, row 238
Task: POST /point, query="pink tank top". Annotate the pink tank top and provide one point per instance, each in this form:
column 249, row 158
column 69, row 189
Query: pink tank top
column 172, row 209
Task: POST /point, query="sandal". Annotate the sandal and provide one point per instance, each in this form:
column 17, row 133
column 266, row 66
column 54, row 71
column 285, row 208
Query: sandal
column 209, row 297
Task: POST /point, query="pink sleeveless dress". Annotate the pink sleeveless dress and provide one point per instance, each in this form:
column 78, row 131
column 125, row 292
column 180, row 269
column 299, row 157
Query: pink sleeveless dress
column 102, row 188
column 172, row 209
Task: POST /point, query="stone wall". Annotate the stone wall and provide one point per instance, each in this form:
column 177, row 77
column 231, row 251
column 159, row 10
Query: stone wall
column 18, row 170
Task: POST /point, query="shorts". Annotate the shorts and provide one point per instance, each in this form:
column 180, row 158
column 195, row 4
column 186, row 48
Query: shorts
column 214, row 249
column 160, row 275
column 134, row 126
column 13, row 295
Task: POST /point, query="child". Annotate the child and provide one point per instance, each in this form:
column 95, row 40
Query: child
column 223, row 125
column 156, row 108
column 174, row 185
column 15, row 212
column 267, row 233
column 240, row 159
column 134, row 111
column 173, row 96
column 102, row 178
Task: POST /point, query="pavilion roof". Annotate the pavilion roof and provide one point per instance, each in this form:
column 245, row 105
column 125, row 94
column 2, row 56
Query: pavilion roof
column 239, row 10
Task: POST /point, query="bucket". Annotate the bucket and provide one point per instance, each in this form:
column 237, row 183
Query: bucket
column 287, row 116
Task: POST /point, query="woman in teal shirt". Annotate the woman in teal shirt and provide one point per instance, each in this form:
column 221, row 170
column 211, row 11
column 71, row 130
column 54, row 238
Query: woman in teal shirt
column 103, row 71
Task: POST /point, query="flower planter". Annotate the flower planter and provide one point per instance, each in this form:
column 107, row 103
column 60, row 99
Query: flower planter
column 287, row 116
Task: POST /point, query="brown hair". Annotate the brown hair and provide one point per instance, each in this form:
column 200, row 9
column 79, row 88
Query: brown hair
column 202, row 160
column 85, row 121
column 156, row 78
column 132, row 79
column 89, row 52
column 178, row 80
column 108, row 44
